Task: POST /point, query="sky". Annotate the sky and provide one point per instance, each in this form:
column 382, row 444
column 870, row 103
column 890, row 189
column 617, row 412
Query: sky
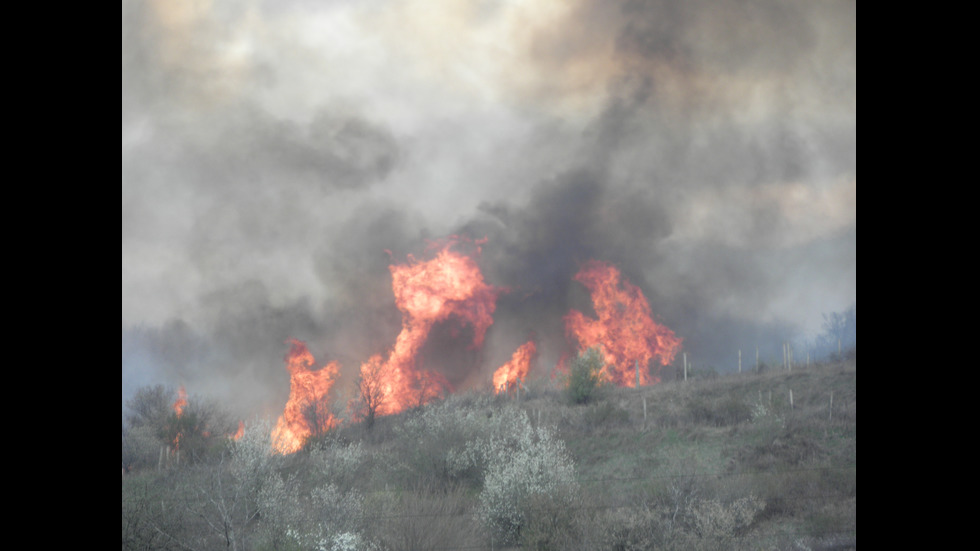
column 278, row 156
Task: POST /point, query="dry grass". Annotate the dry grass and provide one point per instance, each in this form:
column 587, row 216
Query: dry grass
column 718, row 463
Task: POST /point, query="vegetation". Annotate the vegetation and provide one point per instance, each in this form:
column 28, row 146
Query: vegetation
column 724, row 462
column 585, row 377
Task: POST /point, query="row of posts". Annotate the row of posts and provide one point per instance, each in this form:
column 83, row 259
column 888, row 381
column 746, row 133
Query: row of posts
column 787, row 364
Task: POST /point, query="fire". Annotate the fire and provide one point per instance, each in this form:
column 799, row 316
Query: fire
column 179, row 406
column 306, row 412
column 450, row 285
column 181, row 402
column 240, row 432
column 625, row 330
column 512, row 373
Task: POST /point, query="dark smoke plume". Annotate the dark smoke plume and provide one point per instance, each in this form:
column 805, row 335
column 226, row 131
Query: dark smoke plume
column 276, row 160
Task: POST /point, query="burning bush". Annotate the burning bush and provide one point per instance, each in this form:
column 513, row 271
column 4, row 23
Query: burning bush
column 624, row 330
column 160, row 418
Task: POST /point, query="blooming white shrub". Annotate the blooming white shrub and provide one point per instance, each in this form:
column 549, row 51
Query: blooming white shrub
column 451, row 441
column 527, row 468
column 338, row 463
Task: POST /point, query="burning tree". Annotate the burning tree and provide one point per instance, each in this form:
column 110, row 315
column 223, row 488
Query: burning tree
column 625, row 332
column 370, row 391
column 159, row 419
column 306, row 413
column 450, row 285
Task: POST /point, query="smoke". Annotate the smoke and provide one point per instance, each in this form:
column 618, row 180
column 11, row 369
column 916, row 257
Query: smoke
column 278, row 157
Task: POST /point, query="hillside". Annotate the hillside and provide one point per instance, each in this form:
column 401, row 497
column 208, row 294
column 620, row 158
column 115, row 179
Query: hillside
column 725, row 462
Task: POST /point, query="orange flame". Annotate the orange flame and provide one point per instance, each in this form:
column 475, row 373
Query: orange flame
column 240, row 432
column 181, row 402
column 512, row 373
column 306, row 410
column 179, row 406
column 625, row 330
column 449, row 285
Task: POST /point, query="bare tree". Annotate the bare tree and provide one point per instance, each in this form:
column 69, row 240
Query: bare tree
column 316, row 412
column 227, row 500
column 370, row 391
column 840, row 329
column 150, row 406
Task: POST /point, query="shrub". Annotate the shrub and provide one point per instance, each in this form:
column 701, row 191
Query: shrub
column 140, row 448
column 340, row 463
column 530, row 482
column 444, row 443
column 720, row 522
column 585, row 376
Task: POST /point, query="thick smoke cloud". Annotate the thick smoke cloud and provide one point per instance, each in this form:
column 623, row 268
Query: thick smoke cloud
column 277, row 157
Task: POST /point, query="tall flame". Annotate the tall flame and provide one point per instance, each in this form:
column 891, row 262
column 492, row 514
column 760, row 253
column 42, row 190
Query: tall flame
column 625, row 330
column 512, row 373
column 179, row 406
column 450, row 285
column 306, row 412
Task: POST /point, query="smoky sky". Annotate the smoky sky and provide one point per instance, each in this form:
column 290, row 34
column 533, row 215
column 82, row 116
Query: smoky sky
column 277, row 157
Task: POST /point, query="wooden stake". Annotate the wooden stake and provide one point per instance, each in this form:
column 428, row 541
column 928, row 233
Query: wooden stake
column 739, row 360
column 637, row 373
column 830, row 416
column 645, row 408
column 791, row 398
column 685, row 366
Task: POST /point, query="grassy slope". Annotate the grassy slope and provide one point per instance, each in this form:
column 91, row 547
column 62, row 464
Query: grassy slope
column 675, row 479
column 722, row 438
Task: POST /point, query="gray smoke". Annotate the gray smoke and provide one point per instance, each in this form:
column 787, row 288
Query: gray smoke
column 278, row 158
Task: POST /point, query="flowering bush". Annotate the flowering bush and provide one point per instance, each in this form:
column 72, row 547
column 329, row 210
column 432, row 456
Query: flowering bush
column 529, row 477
